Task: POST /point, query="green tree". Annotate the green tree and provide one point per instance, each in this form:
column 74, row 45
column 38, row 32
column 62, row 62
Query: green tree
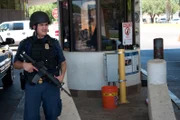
column 45, row 8
column 153, row 8
column 157, row 7
column 174, row 7
column 171, row 8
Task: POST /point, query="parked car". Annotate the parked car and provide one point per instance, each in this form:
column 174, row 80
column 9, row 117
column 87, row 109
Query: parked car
column 175, row 21
column 6, row 62
column 18, row 30
column 162, row 20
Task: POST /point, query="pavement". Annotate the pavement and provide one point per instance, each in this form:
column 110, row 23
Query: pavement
column 83, row 108
column 136, row 109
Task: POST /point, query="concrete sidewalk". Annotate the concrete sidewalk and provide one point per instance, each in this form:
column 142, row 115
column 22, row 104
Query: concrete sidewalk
column 69, row 110
column 85, row 108
column 92, row 108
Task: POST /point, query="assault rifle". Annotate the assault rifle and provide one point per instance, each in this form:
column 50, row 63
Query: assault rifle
column 42, row 71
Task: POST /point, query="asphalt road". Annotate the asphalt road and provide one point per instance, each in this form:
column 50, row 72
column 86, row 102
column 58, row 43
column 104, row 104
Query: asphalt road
column 169, row 33
column 10, row 97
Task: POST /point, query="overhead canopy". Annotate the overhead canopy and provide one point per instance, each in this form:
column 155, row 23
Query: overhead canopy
column 38, row 2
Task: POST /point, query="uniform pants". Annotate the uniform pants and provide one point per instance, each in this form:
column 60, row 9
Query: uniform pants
column 45, row 93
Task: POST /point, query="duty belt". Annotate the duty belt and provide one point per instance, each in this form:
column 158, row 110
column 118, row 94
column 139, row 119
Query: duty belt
column 40, row 81
column 43, row 79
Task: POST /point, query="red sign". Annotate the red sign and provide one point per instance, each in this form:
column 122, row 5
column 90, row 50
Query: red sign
column 57, row 33
column 55, row 13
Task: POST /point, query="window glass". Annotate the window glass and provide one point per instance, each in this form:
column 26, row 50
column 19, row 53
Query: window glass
column 4, row 27
column 18, row 26
column 84, row 24
column 81, row 25
column 112, row 15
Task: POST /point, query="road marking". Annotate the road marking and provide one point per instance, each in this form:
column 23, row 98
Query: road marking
column 144, row 72
column 175, row 99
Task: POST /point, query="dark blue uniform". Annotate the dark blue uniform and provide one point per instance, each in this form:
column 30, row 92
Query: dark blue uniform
column 46, row 93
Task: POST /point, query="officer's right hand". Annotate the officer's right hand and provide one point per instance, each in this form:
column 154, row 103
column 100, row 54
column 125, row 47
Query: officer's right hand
column 29, row 67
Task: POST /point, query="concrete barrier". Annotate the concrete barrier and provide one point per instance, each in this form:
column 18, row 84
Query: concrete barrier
column 159, row 102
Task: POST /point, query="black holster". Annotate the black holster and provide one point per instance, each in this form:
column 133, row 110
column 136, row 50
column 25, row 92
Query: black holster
column 22, row 80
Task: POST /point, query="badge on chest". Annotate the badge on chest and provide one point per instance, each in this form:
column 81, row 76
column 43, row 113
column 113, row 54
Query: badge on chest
column 46, row 46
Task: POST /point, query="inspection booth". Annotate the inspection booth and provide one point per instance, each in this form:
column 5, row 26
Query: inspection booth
column 90, row 31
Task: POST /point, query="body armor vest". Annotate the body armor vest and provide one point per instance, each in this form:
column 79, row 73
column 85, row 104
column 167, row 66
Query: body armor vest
column 43, row 51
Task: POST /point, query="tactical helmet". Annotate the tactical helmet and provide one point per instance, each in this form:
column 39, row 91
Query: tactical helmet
column 39, row 17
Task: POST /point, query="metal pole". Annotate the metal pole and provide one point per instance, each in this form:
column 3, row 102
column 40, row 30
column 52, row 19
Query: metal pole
column 158, row 48
column 98, row 25
column 122, row 79
column 60, row 20
column 71, row 27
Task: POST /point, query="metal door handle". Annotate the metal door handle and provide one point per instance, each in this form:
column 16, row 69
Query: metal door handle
column 23, row 33
column 8, row 33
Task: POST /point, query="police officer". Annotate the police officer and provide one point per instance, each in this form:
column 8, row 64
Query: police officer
column 41, row 47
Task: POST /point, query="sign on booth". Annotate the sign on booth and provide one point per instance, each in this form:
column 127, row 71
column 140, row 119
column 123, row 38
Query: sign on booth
column 127, row 33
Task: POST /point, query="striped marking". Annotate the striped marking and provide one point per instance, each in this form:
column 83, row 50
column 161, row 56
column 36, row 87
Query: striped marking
column 110, row 94
column 175, row 99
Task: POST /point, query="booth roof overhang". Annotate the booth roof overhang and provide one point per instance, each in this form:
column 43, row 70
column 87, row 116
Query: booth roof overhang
column 38, row 2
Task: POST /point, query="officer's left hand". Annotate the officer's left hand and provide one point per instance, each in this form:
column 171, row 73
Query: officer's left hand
column 60, row 78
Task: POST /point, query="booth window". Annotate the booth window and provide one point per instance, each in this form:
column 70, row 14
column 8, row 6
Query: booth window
column 84, row 24
column 113, row 13
column 81, row 23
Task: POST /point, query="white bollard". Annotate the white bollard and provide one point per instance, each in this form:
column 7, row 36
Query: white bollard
column 159, row 102
column 157, row 72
